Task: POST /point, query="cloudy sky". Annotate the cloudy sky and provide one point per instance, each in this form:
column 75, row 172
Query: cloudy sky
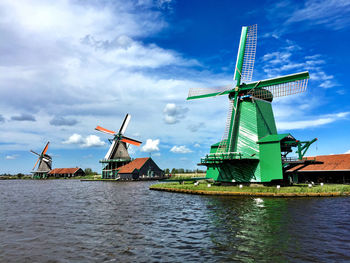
column 67, row 66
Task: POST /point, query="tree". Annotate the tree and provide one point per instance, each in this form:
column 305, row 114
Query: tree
column 88, row 171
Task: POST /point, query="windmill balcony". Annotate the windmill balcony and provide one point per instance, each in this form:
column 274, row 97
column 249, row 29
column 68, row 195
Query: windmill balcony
column 224, row 156
column 115, row 160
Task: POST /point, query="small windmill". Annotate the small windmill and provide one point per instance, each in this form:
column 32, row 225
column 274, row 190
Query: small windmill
column 251, row 150
column 45, row 163
column 117, row 154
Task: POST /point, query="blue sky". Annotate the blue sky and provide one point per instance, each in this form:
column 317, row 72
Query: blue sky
column 68, row 66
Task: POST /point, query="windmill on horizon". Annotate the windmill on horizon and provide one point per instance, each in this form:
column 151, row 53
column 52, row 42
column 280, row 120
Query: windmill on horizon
column 45, row 163
column 117, row 154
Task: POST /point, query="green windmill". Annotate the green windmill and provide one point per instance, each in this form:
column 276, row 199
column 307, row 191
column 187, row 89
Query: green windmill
column 251, row 150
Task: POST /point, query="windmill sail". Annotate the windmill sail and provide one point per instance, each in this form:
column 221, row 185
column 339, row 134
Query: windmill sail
column 249, row 54
column 281, row 90
column 131, row 141
column 111, row 148
column 279, row 87
column 104, row 130
column 125, row 124
column 196, row 93
column 36, row 163
column 224, row 141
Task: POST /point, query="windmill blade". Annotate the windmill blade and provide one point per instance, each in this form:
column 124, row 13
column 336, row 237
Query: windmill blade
column 223, row 146
column 101, row 129
column 278, row 87
column 125, row 124
column 34, row 152
column 198, row 93
column 46, row 147
column 249, row 54
column 36, row 163
column 108, row 154
column 131, row 141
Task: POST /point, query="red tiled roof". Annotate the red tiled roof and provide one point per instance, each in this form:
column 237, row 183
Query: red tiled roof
column 135, row 164
column 64, row 170
column 335, row 162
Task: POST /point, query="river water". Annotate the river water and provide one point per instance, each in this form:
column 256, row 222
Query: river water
column 73, row 221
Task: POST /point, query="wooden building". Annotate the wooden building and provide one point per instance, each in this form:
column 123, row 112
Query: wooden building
column 333, row 169
column 140, row 169
column 66, row 172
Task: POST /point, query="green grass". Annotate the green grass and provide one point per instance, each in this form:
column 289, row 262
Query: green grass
column 186, row 176
column 301, row 188
column 14, row 177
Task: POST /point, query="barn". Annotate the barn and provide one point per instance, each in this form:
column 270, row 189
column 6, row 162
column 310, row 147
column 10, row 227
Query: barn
column 333, row 168
column 66, row 172
column 140, row 169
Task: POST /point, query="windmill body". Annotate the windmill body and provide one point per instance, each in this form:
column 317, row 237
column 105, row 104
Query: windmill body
column 251, row 150
column 117, row 154
column 45, row 163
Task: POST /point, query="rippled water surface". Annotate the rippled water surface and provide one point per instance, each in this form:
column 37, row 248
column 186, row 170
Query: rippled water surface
column 73, row 221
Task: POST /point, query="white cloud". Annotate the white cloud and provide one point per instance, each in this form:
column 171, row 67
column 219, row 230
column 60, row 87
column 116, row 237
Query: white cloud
column 333, row 14
column 11, row 157
column 197, row 145
column 288, row 59
column 74, row 139
column 347, row 152
column 151, row 146
column 180, row 149
column 173, row 113
column 89, row 141
column 92, row 141
column 296, row 125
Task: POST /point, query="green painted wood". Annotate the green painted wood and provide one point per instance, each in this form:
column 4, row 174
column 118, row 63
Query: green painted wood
column 266, row 121
column 273, row 138
column 275, row 81
column 240, row 55
column 271, row 161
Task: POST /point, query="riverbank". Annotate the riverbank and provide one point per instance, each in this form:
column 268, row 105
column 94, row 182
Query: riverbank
column 271, row 191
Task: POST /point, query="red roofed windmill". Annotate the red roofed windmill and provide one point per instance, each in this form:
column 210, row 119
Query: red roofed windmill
column 45, row 163
column 117, row 154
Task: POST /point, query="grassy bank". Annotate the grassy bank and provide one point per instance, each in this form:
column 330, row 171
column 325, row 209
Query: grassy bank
column 186, row 176
column 296, row 190
column 15, row 177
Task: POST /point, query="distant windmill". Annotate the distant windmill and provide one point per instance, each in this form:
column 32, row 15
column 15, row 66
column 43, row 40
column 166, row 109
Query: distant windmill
column 251, row 150
column 45, row 163
column 117, row 154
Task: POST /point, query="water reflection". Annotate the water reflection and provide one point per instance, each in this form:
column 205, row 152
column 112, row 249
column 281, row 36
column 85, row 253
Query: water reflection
column 278, row 230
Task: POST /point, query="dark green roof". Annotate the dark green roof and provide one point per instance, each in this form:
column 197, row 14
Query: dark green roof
column 274, row 138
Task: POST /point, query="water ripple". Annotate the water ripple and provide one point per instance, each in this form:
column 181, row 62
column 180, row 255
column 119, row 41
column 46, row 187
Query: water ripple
column 73, row 221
